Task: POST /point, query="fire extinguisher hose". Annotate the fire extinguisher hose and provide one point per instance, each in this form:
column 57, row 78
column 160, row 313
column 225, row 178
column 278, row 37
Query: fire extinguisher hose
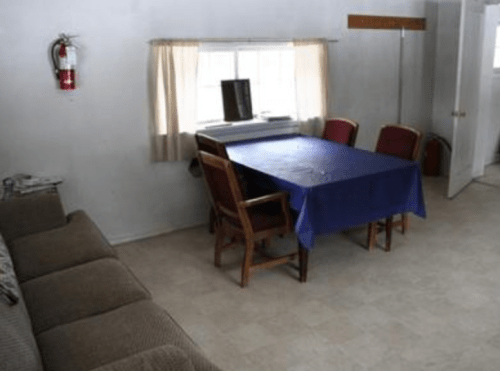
column 53, row 52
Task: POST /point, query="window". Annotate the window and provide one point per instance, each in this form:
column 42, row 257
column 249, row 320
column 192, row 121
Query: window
column 270, row 68
column 286, row 79
column 496, row 60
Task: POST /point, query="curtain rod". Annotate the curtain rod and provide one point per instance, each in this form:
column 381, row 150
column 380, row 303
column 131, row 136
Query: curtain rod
column 240, row 40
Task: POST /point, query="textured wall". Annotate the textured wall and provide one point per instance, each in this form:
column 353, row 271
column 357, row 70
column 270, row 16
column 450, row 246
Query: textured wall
column 97, row 137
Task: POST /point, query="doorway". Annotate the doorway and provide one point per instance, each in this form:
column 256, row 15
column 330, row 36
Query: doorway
column 487, row 144
column 463, row 86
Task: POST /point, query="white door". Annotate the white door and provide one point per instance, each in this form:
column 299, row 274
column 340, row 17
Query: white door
column 465, row 111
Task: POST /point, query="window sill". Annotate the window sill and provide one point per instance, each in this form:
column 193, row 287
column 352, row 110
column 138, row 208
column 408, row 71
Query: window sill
column 230, row 132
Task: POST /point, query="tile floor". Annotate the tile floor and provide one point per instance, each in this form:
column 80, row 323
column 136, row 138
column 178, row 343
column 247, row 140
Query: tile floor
column 433, row 303
column 491, row 175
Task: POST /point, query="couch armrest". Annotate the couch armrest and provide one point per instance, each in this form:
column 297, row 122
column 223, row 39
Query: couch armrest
column 163, row 358
column 30, row 214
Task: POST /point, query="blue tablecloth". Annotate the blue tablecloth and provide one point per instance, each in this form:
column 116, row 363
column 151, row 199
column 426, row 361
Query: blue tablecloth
column 332, row 187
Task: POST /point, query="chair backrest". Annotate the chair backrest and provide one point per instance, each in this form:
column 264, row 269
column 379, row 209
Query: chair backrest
column 341, row 130
column 211, row 145
column 400, row 141
column 222, row 182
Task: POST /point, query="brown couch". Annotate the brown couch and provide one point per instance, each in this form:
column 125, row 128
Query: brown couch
column 80, row 308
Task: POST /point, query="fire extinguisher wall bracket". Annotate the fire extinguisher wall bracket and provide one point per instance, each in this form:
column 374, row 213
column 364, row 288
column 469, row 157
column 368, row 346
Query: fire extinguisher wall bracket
column 63, row 54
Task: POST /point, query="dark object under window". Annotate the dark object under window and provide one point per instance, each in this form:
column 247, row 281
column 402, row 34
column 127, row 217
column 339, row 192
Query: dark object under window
column 237, row 100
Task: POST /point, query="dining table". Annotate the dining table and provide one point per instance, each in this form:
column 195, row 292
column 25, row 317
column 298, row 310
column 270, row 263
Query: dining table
column 331, row 186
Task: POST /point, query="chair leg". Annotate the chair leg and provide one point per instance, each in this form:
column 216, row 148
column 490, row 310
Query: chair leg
column 388, row 233
column 303, row 261
column 247, row 263
column 219, row 241
column 405, row 223
column 372, row 235
column 211, row 220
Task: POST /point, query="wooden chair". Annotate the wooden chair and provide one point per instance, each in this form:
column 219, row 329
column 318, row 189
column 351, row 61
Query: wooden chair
column 341, row 130
column 250, row 221
column 403, row 142
column 211, row 145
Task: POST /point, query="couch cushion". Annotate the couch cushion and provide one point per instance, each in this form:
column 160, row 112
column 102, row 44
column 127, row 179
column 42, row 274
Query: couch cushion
column 164, row 358
column 78, row 292
column 79, row 241
column 96, row 341
column 30, row 214
column 18, row 350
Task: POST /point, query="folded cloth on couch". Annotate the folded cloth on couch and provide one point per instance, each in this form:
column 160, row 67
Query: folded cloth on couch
column 8, row 282
column 18, row 349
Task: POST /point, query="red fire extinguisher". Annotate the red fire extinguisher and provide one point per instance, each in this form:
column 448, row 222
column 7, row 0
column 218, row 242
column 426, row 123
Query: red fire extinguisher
column 64, row 60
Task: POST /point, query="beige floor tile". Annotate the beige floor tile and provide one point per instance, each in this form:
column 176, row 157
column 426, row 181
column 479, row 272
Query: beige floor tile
column 397, row 336
column 313, row 312
column 469, row 296
column 339, row 330
column 369, row 317
column 422, row 322
column 366, row 350
column 394, row 362
column 275, row 357
column 215, row 302
column 430, row 304
column 250, row 337
column 285, row 325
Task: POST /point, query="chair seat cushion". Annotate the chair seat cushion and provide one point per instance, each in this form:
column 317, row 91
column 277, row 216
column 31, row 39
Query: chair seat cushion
column 78, row 292
column 98, row 340
column 77, row 242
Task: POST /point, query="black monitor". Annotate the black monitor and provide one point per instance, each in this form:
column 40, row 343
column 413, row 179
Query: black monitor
column 237, row 100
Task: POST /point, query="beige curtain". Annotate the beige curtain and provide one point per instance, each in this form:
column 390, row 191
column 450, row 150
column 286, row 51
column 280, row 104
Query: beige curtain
column 172, row 89
column 311, row 76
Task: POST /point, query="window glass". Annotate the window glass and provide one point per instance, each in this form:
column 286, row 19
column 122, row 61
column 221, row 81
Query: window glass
column 270, row 68
column 212, row 68
column 496, row 61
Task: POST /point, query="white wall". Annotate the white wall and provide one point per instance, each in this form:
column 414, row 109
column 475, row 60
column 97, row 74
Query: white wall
column 97, row 137
column 365, row 69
